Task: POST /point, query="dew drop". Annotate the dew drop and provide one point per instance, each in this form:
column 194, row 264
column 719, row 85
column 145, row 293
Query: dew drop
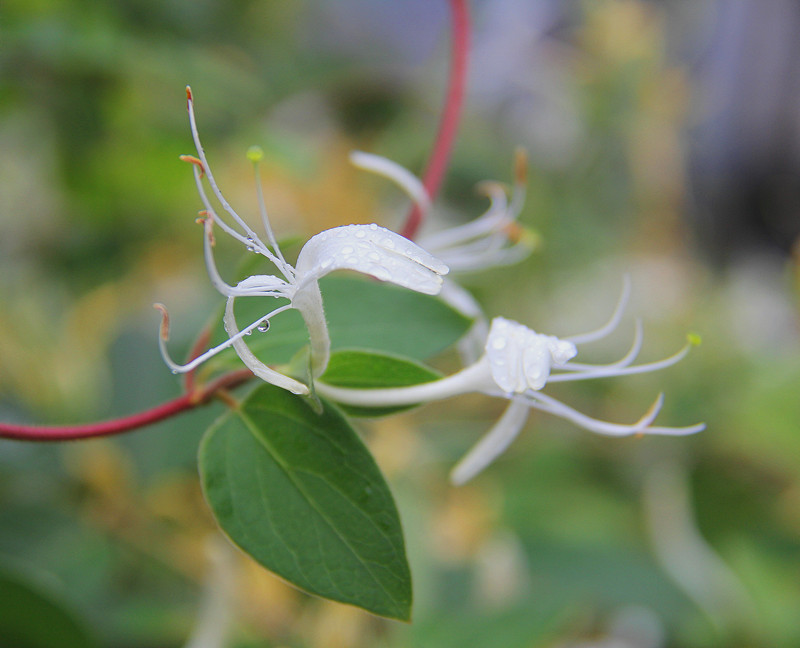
column 360, row 234
column 499, row 343
column 373, row 227
column 264, row 326
column 347, row 249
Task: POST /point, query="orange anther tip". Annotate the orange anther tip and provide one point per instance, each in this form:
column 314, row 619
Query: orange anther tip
column 514, row 232
column 191, row 159
column 164, row 320
column 520, row 164
column 189, row 93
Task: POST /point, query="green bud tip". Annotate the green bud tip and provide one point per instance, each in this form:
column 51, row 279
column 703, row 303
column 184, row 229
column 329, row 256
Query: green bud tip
column 530, row 238
column 255, row 154
column 694, row 339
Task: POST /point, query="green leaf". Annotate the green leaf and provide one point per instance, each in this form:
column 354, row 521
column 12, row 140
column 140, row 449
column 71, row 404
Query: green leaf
column 369, row 370
column 33, row 616
column 361, row 313
column 301, row 494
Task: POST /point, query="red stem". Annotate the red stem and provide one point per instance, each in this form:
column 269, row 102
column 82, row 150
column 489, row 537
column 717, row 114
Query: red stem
column 182, row 403
column 451, row 115
column 91, row 430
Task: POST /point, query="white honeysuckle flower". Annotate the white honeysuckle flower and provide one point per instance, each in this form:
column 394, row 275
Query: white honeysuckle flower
column 517, row 363
column 493, row 239
column 369, row 249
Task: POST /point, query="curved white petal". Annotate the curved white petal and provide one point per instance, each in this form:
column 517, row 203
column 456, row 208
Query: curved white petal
column 493, row 443
column 401, row 176
column 504, row 348
column 264, row 283
column 492, row 220
column 251, row 362
column 520, row 358
column 375, row 251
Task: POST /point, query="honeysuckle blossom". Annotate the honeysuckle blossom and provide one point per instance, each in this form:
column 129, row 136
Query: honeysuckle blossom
column 493, row 239
column 369, row 249
column 517, row 364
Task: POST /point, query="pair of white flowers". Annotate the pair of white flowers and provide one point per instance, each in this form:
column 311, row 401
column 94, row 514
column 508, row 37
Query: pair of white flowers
column 506, row 359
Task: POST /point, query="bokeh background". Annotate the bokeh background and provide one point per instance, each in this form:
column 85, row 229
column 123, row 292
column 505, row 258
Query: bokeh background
column 664, row 142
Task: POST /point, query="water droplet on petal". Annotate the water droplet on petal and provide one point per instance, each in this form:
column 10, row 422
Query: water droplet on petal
column 347, row 249
column 499, row 343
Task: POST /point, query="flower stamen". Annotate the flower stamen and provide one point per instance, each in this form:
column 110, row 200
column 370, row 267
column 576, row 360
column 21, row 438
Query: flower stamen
column 191, row 159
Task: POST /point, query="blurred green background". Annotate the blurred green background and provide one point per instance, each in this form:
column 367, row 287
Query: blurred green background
column 637, row 162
